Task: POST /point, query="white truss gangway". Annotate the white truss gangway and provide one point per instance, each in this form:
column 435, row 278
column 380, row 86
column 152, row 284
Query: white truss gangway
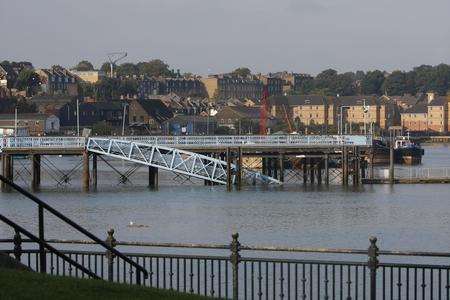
column 171, row 159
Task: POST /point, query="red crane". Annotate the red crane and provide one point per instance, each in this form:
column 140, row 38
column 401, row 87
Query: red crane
column 264, row 111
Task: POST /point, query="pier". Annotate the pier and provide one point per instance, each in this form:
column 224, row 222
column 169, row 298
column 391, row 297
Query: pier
column 214, row 159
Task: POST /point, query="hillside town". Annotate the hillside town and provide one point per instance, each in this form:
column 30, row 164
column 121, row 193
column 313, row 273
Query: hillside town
column 148, row 98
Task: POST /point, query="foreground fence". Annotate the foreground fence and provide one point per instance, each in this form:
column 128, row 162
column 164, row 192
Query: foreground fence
column 262, row 273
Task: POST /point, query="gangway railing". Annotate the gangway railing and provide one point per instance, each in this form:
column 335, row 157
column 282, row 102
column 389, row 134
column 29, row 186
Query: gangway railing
column 196, row 142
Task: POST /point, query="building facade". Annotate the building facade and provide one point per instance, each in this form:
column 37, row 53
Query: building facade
column 58, row 81
column 93, row 76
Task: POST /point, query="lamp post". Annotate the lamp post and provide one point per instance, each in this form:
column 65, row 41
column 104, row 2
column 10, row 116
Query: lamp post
column 78, row 117
column 341, row 117
column 365, row 110
column 15, row 121
column 123, row 118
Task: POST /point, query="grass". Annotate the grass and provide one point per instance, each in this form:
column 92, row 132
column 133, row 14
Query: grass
column 19, row 285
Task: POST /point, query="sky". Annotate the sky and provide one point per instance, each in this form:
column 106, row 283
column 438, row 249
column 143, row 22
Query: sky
column 215, row 36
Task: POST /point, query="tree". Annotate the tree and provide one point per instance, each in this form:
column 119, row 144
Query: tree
column 154, row 68
column 372, row 83
column 345, row 84
column 326, row 81
column 242, row 72
column 84, row 65
column 102, row 128
column 395, row 83
column 127, row 69
column 107, row 89
column 128, row 86
column 86, row 89
column 28, row 81
column 106, row 68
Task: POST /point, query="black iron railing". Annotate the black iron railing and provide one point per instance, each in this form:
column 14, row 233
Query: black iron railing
column 43, row 246
column 247, row 272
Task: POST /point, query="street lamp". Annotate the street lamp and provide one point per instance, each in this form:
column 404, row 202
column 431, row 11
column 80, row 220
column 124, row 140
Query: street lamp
column 341, row 117
column 78, row 117
column 15, row 121
column 365, row 110
column 123, row 118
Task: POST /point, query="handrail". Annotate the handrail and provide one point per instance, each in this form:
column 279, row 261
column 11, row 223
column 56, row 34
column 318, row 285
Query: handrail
column 72, row 223
column 244, row 247
column 48, row 246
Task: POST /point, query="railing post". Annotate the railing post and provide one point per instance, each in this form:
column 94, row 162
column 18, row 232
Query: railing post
column 110, row 241
column 17, row 240
column 42, row 254
column 372, row 263
column 235, row 258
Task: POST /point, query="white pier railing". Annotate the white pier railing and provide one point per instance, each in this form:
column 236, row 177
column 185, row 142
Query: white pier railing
column 197, row 142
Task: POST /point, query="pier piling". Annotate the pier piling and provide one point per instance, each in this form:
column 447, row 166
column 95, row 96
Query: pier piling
column 153, row 178
column 36, row 172
column 229, row 171
column 86, row 177
column 94, row 171
column 8, row 171
column 327, row 170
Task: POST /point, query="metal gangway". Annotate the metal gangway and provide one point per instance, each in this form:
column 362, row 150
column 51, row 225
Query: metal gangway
column 172, row 159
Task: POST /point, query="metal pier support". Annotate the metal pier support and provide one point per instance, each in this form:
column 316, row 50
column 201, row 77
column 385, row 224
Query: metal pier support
column 85, row 179
column 36, row 172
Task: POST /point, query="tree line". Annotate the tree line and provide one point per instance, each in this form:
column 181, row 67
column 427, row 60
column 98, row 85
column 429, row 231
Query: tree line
column 420, row 79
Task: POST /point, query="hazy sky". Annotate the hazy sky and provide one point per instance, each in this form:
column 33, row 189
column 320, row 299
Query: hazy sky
column 212, row 36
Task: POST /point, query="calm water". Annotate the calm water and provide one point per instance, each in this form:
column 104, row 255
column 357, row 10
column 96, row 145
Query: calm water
column 403, row 216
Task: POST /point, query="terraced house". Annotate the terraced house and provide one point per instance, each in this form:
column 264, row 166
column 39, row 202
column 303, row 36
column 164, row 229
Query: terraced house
column 305, row 109
column 431, row 114
column 58, row 81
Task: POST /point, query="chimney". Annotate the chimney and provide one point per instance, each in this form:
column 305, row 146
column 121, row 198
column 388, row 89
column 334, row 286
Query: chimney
column 430, row 96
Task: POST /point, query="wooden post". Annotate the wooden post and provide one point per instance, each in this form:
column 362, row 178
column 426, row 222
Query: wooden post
column 36, row 172
column 281, row 164
column 327, row 170
column 85, row 179
column 94, row 171
column 153, row 178
column 311, row 170
column 239, row 169
column 229, row 171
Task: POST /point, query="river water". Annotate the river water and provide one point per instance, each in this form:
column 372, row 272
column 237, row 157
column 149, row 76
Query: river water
column 413, row 217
